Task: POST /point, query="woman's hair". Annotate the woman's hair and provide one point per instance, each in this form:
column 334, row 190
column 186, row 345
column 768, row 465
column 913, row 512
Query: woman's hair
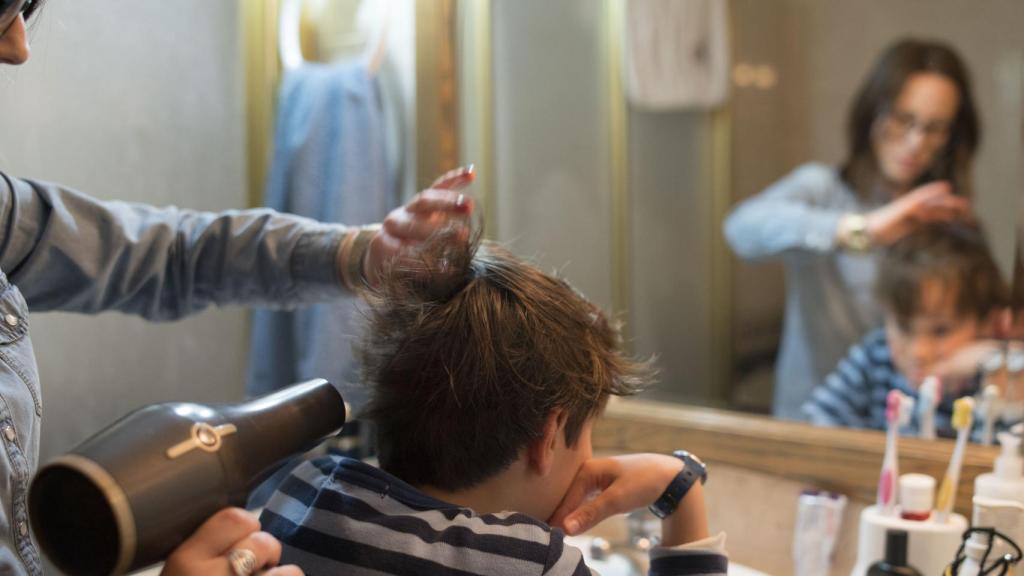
column 954, row 254
column 468, row 353
column 33, row 9
column 877, row 97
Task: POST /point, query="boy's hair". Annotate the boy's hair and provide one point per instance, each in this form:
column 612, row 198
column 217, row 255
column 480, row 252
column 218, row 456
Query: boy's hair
column 468, row 353
column 954, row 253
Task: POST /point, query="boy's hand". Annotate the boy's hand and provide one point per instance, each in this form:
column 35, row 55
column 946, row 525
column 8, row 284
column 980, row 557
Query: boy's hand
column 958, row 370
column 607, row 486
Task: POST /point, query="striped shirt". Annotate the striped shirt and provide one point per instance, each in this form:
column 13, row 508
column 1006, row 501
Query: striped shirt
column 340, row 516
column 854, row 394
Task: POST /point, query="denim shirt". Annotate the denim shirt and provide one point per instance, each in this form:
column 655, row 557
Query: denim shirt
column 62, row 250
column 830, row 301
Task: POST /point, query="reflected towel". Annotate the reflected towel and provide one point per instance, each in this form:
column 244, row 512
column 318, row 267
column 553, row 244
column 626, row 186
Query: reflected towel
column 676, row 53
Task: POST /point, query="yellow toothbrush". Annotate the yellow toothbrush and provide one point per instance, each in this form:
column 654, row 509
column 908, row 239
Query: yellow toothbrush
column 963, row 417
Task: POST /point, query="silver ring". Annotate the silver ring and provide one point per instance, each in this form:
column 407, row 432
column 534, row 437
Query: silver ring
column 242, row 561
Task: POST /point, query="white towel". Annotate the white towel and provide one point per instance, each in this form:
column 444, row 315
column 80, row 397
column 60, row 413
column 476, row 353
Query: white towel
column 676, row 53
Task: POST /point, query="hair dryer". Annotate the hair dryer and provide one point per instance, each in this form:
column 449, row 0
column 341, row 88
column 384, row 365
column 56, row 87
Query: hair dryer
column 132, row 493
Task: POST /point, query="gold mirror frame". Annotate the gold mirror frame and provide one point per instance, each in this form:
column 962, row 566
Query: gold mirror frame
column 437, row 123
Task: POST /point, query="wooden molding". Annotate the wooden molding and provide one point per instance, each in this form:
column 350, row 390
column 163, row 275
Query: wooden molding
column 437, row 142
column 844, row 461
column 262, row 71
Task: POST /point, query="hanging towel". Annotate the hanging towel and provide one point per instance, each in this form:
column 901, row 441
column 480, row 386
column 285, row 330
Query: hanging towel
column 329, row 163
column 676, row 53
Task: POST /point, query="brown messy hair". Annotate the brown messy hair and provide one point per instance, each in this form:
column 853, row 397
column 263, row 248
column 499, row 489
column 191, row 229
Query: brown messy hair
column 877, row 97
column 466, row 355
column 954, row 253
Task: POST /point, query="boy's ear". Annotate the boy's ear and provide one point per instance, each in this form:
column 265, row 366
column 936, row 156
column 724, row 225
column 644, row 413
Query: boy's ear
column 541, row 452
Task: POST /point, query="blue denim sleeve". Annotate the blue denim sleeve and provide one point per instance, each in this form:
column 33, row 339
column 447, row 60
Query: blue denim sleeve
column 68, row 251
column 799, row 212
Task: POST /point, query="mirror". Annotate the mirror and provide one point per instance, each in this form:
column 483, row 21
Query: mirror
column 628, row 197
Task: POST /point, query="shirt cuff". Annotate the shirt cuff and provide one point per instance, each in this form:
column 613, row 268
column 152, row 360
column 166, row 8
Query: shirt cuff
column 705, row 557
column 314, row 263
column 711, row 545
column 821, row 234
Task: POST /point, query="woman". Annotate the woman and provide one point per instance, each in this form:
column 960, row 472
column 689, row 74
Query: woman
column 62, row 250
column 912, row 134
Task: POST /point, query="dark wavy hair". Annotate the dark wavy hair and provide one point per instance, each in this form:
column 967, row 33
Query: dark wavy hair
column 468, row 353
column 878, row 95
column 954, row 253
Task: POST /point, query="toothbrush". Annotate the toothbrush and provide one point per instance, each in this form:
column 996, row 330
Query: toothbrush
column 898, row 408
column 989, row 398
column 963, row 417
column 928, row 398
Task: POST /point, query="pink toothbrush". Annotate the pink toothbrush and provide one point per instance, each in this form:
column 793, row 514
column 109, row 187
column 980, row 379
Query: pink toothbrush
column 898, row 408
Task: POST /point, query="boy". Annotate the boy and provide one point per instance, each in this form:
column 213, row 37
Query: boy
column 940, row 289
column 486, row 379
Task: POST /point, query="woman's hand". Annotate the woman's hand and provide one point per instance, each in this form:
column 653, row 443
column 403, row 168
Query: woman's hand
column 932, row 202
column 205, row 553
column 432, row 210
column 607, row 486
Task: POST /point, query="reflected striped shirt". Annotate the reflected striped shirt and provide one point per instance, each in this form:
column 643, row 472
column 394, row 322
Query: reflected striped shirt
column 338, row 516
column 854, row 394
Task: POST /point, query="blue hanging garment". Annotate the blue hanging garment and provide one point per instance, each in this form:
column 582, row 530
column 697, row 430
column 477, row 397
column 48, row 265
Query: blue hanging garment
column 330, row 163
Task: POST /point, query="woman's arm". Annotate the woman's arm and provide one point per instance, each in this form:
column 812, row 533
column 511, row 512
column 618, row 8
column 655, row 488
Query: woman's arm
column 67, row 251
column 799, row 212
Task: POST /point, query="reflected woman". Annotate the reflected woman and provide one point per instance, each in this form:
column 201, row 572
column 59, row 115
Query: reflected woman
column 912, row 134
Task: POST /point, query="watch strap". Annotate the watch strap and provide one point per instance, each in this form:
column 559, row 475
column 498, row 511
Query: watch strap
column 693, row 471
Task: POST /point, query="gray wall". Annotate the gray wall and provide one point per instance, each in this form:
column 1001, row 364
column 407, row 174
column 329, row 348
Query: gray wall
column 137, row 100
column 551, row 138
column 552, row 167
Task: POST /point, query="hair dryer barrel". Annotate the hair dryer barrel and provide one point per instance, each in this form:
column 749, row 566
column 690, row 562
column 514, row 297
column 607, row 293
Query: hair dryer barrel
column 129, row 495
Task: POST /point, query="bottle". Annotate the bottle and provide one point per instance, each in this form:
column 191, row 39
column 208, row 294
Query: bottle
column 917, row 494
column 1006, row 481
column 999, row 495
column 129, row 495
column 895, row 563
column 975, row 550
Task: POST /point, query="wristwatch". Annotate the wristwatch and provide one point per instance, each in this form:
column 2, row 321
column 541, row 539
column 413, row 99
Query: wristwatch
column 855, row 235
column 693, row 470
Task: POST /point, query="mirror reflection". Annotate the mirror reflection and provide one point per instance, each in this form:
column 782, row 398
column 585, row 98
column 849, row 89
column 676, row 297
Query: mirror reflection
column 802, row 223
column 887, row 267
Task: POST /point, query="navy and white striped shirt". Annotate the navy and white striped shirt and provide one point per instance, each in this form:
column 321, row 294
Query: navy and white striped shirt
column 854, row 394
column 341, row 516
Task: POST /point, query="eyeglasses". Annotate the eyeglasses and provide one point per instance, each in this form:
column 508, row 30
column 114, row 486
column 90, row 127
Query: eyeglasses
column 11, row 9
column 898, row 124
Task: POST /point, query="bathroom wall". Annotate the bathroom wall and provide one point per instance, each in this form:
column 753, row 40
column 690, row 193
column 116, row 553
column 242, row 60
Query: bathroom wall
column 137, row 100
column 552, row 175
column 551, row 138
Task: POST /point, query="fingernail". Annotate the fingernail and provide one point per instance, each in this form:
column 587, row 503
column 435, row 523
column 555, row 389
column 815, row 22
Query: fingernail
column 460, row 200
column 572, row 526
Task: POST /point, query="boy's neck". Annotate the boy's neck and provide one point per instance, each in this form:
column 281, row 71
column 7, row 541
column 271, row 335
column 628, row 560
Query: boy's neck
column 502, row 492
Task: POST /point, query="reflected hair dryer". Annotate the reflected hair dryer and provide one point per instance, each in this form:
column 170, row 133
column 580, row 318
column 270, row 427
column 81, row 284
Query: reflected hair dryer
column 128, row 496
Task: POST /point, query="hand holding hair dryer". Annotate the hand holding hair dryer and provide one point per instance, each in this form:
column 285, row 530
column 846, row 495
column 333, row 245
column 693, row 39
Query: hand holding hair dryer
column 125, row 498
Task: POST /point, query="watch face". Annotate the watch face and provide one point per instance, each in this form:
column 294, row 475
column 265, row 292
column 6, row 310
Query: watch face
column 690, row 457
column 695, row 458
